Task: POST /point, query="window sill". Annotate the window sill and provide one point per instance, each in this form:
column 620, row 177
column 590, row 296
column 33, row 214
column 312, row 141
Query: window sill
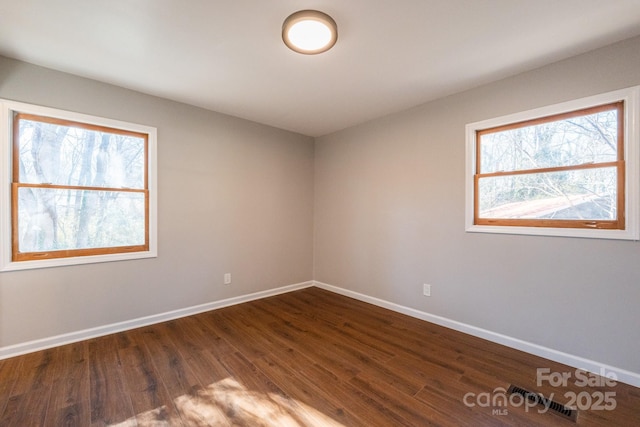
column 556, row 232
column 60, row 262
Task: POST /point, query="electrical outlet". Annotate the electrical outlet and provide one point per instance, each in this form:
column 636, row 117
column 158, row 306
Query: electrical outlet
column 426, row 290
column 227, row 278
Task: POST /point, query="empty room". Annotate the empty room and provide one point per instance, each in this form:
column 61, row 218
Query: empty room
column 320, row 213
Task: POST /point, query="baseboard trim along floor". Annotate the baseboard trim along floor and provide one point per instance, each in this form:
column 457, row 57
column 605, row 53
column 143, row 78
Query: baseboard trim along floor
column 58, row 340
column 625, row 376
column 622, row 375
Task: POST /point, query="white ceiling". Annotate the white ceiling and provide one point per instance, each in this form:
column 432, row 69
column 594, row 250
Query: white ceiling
column 228, row 56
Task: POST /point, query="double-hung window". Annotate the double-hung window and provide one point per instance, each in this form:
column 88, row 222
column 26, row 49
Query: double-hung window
column 77, row 188
column 564, row 170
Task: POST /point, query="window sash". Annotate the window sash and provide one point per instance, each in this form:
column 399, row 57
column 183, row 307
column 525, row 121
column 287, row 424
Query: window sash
column 617, row 224
column 17, row 255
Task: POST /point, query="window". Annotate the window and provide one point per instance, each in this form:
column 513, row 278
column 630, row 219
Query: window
column 569, row 170
column 78, row 189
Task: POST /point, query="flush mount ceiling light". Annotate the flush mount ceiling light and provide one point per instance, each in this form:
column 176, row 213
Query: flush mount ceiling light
column 309, row 32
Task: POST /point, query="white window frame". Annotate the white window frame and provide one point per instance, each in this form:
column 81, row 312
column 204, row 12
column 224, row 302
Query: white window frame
column 631, row 98
column 7, row 109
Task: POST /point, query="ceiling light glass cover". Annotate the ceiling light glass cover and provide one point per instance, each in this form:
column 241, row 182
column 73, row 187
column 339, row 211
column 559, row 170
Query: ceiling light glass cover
column 309, row 32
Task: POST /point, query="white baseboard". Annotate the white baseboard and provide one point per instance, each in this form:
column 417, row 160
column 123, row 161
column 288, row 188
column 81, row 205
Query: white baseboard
column 622, row 375
column 58, row 340
column 628, row 377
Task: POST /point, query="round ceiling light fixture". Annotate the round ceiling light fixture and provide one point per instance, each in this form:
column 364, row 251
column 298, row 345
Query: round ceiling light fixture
column 309, row 32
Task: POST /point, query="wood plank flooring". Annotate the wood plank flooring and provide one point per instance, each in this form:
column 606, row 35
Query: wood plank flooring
column 306, row 358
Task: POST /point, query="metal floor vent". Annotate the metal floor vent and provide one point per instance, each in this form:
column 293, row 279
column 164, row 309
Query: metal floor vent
column 555, row 407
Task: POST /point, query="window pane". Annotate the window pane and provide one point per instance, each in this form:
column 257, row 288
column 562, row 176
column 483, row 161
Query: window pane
column 57, row 219
column 64, row 155
column 586, row 194
column 571, row 141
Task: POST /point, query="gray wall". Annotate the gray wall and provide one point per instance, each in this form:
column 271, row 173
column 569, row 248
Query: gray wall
column 389, row 216
column 238, row 197
column 234, row 196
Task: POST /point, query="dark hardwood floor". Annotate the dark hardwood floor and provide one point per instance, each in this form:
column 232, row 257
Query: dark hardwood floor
column 307, row 358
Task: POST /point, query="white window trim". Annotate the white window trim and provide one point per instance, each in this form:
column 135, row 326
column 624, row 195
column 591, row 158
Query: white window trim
column 631, row 98
column 7, row 108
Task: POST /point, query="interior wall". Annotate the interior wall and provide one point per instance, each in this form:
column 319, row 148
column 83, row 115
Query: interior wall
column 236, row 196
column 233, row 197
column 390, row 216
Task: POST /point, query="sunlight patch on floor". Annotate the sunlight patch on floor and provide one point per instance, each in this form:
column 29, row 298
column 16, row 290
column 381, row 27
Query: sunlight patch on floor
column 228, row 402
